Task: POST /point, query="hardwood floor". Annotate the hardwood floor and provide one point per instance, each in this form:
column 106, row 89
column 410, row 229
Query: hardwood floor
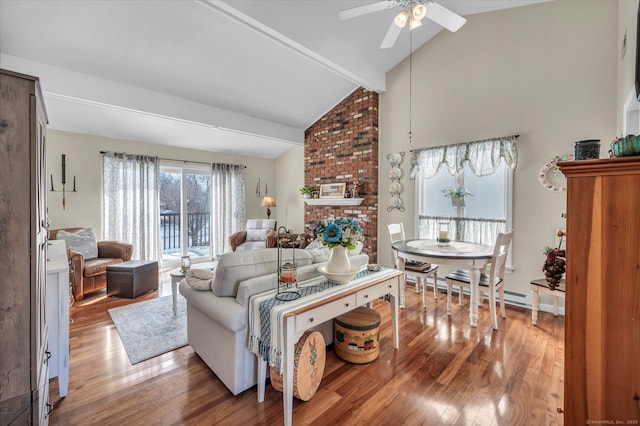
column 445, row 372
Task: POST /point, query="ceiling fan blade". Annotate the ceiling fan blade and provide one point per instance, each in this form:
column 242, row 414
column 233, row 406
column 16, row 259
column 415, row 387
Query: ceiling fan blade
column 367, row 8
column 392, row 35
column 444, row 17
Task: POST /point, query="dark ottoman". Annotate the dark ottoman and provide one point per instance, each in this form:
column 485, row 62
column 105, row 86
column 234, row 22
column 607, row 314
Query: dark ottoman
column 132, row 279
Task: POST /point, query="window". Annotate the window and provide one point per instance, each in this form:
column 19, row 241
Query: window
column 485, row 168
column 483, row 216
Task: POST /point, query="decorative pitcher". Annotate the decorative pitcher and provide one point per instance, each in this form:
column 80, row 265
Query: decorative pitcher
column 339, row 260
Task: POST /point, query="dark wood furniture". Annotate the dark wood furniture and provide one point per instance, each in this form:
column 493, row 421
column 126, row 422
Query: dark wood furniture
column 132, row 279
column 602, row 312
column 24, row 369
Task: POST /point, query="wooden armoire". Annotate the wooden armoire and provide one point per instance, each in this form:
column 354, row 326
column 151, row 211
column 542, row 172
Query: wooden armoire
column 602, row 322
column 24, row 370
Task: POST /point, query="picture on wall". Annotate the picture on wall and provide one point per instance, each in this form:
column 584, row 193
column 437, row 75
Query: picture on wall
column 333, row 190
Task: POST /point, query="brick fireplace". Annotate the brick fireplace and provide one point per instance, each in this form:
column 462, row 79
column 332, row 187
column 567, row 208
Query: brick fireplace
column 342, row 146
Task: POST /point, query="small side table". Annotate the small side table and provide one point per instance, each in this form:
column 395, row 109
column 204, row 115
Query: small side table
column 541, row 286
column 176, row 277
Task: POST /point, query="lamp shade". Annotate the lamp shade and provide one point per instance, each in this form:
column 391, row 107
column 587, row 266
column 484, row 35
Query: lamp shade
column 401, row 18
column 268, row 202
column 418, row 11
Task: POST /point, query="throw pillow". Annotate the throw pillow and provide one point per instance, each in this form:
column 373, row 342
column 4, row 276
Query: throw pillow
column 356, row 251
column 199, row 279
column 319, row 255
column 257, row 234
column 83, row 242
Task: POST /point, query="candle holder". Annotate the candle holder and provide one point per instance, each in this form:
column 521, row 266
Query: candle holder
column 287, row 269
column 185, row 263
column 443, row 233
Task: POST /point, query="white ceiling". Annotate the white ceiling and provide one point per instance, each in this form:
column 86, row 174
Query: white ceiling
column 237, row 76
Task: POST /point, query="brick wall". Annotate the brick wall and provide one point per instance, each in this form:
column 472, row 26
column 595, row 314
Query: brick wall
column 342, row 146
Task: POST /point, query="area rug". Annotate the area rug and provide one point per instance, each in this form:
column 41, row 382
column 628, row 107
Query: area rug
column 148, row 329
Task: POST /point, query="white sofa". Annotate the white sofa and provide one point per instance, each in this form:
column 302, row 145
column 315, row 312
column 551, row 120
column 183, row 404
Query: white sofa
column 217, row 317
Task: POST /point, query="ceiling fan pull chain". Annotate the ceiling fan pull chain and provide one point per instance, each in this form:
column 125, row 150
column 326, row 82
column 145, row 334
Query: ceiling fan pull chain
column 410, row 85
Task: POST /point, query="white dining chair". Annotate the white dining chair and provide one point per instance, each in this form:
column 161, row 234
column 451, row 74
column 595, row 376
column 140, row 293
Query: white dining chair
column 489, row 283
column 417, row 271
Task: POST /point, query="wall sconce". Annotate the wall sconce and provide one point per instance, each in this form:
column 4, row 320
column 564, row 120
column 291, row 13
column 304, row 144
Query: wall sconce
column 64, row 182
column 258, row 192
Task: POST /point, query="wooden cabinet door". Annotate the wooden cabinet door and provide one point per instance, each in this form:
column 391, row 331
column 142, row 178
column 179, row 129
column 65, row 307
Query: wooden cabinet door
column 602, row 322
column 23, row 327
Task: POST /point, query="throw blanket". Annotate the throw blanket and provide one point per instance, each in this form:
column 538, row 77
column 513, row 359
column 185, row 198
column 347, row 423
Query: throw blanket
column 266, row 314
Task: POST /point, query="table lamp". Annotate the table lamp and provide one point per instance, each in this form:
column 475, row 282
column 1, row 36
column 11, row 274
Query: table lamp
column 268, row 202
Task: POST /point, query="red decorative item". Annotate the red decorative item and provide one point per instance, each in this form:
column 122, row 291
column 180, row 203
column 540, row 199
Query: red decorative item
column 554, row 265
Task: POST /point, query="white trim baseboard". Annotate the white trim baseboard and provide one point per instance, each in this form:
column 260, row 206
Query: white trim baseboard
column 511, row 298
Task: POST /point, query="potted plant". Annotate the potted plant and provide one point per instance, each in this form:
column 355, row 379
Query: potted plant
column 307, row 191
column 457, row 195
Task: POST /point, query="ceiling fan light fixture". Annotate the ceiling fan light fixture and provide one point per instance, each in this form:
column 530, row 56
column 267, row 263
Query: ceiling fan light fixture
column 414, row 23
column 418, row 11
column 401, row 18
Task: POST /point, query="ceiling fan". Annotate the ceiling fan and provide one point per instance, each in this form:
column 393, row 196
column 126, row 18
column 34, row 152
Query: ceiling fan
column 412, row 11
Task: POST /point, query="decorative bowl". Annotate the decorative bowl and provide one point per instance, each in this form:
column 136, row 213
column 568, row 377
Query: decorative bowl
column 626, row 146
column 339, row 277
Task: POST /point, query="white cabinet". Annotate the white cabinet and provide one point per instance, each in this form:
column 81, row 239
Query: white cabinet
column 58, row 313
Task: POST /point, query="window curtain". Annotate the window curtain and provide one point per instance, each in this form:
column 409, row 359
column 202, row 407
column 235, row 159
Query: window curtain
column 227, row 204
column 131, row 202
column 483, row 157
column 474, row 230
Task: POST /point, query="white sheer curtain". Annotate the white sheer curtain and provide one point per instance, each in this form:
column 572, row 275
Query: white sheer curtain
column 474, row 230
column 131, row 202
column 483, row 157
column 227, row 204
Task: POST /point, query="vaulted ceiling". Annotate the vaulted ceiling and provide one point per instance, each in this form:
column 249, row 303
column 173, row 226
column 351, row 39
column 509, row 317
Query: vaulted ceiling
column 242, row 76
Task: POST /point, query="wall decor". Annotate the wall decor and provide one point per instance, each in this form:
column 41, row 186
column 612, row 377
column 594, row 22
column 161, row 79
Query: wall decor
column 64, row 182
column 395, row 187
column 259, row 192
column 550, row 177
column 333, row 190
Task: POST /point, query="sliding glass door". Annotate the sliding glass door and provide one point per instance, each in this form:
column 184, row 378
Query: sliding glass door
column 185, row 213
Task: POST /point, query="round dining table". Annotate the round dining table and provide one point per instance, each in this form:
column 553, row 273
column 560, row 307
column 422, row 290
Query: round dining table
column 466, row 255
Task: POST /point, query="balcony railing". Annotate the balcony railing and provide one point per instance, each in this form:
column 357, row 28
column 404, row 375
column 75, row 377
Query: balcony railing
column 198, row 226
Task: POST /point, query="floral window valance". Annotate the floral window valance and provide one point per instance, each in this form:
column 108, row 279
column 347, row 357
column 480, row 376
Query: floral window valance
column 483, row 157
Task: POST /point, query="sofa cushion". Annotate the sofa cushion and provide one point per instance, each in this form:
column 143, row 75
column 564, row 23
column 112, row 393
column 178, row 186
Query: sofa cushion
column 319, row 255
column 241, row 265
column 83, row 242
column 257, row 234
column 223, row 310
column 269, row 224
column 251, row 245
column 98, row 266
